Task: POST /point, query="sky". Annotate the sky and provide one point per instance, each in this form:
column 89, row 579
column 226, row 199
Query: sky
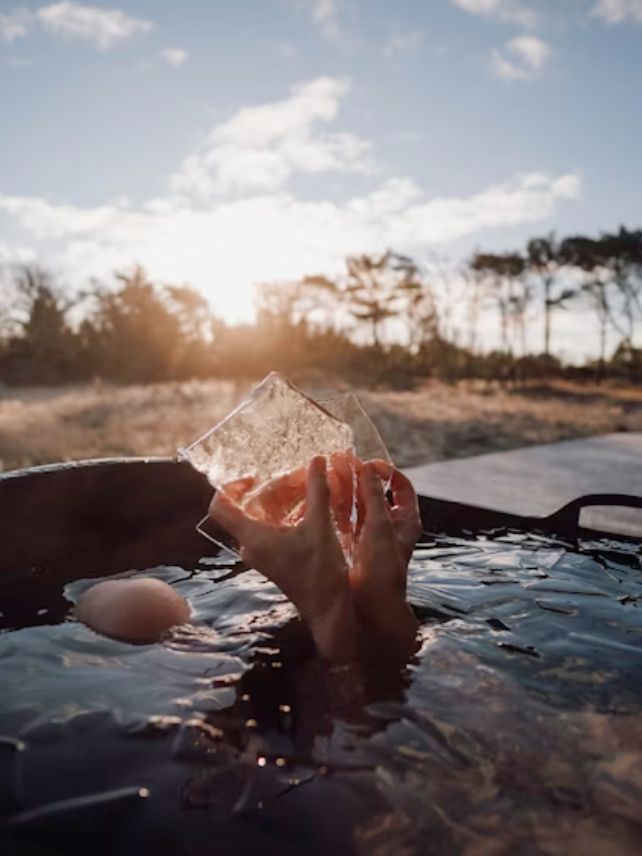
column 229, row 142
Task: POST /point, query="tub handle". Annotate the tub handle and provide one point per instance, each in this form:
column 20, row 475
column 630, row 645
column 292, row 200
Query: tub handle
column 567, row 518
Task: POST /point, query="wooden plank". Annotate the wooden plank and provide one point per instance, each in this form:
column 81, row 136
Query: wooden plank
column 540, row 479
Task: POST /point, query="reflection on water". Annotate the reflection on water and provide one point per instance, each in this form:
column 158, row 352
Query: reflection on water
column 516, row 729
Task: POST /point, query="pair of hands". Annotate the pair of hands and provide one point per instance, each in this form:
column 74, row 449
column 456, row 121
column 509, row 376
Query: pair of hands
column 342, row 606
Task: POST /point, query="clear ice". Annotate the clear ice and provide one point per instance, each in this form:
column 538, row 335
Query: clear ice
column 267, row 442
column 368, row 443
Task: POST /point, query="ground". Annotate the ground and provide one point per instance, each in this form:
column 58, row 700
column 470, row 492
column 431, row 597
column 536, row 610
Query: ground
column 436, row 422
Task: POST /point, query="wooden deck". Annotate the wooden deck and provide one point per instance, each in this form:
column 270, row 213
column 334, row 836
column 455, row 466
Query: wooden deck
column 540, row 479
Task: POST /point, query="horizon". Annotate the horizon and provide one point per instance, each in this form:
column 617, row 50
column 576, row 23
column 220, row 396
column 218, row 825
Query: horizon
column 141, row 134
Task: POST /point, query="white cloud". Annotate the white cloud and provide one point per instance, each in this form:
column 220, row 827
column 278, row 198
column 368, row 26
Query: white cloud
column 174, row 56
column 12, row 254
column 403, row 43
column 104, row 27
column 224, row 247
column 224, row 244
column 511, row 11
column 523, row 58
column 325, row 14
column 14, row 25
column 618, row 11
column 406, row 220
column 259, row 148
column 533, row 51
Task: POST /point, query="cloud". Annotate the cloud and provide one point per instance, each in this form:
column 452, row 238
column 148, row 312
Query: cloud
column 259, row 148
column 403, row 43
column 104, row 27
column 618, row 11
column 260, row 230
column 510, row 11
column 523, row 58
column 325, row 14
column 14, row 25
column 174, row 56
column 234, row 243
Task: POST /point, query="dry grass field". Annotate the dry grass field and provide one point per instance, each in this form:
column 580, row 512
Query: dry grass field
column 438, row 421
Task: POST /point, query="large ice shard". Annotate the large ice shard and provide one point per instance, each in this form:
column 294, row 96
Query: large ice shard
column 258, row 455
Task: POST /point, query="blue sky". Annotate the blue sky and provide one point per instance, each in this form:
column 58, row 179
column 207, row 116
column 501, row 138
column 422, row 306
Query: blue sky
column 227, row 142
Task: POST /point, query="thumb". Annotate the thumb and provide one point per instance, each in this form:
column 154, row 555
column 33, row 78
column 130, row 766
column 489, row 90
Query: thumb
column 229, row 516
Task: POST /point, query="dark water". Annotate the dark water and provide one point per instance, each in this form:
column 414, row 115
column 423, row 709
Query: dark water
column 516, row 729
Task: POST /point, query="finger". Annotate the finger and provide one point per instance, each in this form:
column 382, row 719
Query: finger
column 228, row 515
column 384, row 469
column 294, row 478
column 340, row 476
column 405, row 512
column 317, row 492
column 377, row 510
column 276, row 500
column 236, row 490
column 345, row 463
column 403, row 492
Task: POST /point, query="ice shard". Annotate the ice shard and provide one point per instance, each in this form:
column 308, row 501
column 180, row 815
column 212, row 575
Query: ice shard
column 259, row 453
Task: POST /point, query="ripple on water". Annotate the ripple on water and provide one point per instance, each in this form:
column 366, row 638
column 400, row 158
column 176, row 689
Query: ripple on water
column 517, row 728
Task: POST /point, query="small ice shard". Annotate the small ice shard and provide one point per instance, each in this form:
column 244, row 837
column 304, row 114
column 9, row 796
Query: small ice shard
column 258, row 455
column 368, row 443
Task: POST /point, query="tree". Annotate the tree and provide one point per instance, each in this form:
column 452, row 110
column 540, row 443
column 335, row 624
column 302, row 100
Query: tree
column 587, row 256
column 194, row 351
column 622, row 255
column 543, row 261
column 375, row 290
column 475, row 293
column 372, row 291
column 417, row 306
column 133, row 334
column 41, row 344
column 504, row 275
column 611, row 266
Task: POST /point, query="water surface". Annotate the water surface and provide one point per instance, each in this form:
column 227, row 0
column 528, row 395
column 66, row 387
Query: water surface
column 517, row 727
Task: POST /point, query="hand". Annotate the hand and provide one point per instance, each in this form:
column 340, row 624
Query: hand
column 282, row 500
column 386, row 538
column 305, row 561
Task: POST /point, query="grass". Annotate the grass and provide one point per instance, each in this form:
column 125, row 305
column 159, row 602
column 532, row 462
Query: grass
column 436, row 422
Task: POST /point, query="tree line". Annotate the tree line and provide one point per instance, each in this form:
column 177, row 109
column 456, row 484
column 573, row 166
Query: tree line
column 384, row 319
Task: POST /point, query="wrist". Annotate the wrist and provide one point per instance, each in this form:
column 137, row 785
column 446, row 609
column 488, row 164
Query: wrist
column 335, row 630
column 391, row 634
